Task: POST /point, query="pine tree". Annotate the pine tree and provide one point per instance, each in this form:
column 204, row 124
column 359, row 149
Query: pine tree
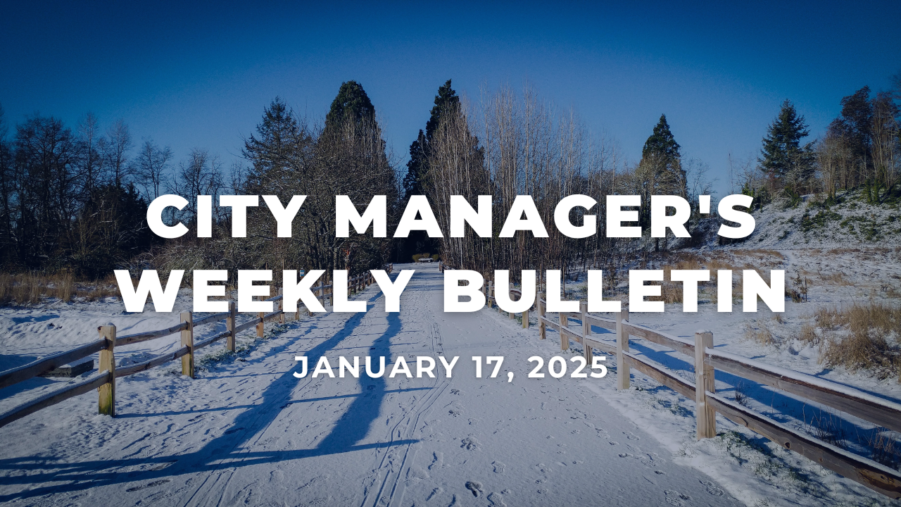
column 275, row 145
column 662, row 143
column 352, row 103
column 783, row 159
column 417, row 167
column 660, row 170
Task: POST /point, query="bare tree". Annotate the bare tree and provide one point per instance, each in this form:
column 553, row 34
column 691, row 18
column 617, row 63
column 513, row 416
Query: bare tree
column 151, row 165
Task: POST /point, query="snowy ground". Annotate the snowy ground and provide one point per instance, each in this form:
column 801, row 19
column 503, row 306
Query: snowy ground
column 247, row 431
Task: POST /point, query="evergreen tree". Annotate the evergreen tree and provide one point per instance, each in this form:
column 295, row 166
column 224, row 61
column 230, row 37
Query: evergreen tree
column 417, row 167
column 276, row 146
column 660, row 170
column 783, row 159
column 352, row 103
column 662, row 144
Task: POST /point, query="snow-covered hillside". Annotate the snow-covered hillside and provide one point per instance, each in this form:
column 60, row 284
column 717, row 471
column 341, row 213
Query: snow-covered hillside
column 813, row 224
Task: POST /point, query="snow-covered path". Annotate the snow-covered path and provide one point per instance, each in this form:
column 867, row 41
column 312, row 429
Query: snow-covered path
column 248, row 432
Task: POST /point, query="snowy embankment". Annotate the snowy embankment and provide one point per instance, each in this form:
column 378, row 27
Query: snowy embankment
column 813, row 224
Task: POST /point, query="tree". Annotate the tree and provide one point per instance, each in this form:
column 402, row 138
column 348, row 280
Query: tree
column 662, row 144
column 784, row 161
column 885, row 133
column 417, row 168
column 352, row 103
column 47, row 194
column 278, row 145
column 151, row 166
column 855, row 127
column 118, row 142
column 660, row 170
column 8, row 187
column 90, row 161
column 110, row 229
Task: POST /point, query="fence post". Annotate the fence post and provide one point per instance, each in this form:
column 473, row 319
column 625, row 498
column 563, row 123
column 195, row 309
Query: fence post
column 622, row 345
column 230, row 325
column 525, row 316
column 261, row 327
column 704, row 381
column 281, row 307
column 564, row 338
column 586, row 331
column 321, row 295
column 106, row 404
column 187, row 340
column 542, row 327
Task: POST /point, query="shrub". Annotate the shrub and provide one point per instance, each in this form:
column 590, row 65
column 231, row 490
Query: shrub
column 860, row 338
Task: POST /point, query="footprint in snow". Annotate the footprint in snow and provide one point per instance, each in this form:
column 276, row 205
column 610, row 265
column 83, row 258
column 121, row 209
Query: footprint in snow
column 455, row 391
column 434, row 492
column 469, row 443
column 148, row 485
column 496, row 499
column 499, row 467
column 437, row 458
column 675, row 498
column 475, row 487
column 712, row 488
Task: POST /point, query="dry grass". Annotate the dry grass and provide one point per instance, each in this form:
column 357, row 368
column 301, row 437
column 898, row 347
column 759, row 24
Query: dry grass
column 884, row 448
column 836, row 279
column 863, row 337
column 759, row 333
column 98, row 291
column 828, row 428
column 33, row 288
column 809, row 334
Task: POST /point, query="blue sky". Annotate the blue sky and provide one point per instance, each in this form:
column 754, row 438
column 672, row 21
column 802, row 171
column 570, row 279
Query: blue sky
column 200, row 75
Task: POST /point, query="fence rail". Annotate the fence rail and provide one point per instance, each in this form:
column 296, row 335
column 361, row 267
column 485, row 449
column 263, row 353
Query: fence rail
column 106, row 379
column 881, row 412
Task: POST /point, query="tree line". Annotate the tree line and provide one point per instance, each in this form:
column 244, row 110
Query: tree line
column 860, row 149
column 77, row 199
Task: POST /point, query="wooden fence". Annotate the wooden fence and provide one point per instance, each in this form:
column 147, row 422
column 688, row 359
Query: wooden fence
column 706, row 361
column 105, row 380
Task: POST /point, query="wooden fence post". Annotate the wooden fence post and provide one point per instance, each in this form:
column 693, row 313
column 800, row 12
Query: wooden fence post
column 281, row 307
column 106, row 404
column 704, row 381
column 230, row 325
column 187, row 340
column 564, row 338
column 622, row 345
column 525, row 317
column 261, row 326
column 321, row 295
column 586, row 331
column 542, row 327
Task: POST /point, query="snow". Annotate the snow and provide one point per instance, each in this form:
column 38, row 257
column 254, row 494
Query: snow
column 247, row 431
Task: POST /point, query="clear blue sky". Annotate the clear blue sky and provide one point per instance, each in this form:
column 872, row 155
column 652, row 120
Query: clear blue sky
column 200, row 75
